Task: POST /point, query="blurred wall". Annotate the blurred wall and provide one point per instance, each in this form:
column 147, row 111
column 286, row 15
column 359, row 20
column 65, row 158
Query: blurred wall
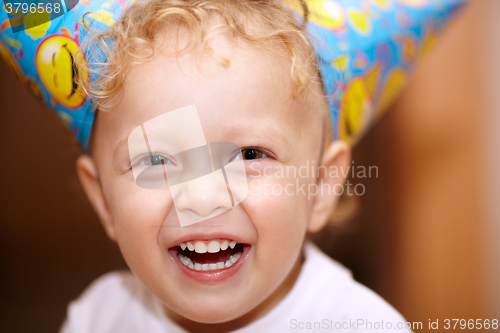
column 440, row 144
column 489, row 101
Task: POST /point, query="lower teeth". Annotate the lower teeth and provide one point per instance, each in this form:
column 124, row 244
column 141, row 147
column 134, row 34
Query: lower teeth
column 209, row 267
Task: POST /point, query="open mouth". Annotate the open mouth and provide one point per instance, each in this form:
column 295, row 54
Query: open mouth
column 213, row 255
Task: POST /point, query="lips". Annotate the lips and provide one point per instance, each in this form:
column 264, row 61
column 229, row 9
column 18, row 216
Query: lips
column 210, row 261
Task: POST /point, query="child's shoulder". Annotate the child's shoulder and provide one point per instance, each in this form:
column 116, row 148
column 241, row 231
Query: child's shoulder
column 329, row 294
column 333, row 279
column 115, row 302
column 118, row 283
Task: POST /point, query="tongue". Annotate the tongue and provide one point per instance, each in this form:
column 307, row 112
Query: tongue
column 210, row 258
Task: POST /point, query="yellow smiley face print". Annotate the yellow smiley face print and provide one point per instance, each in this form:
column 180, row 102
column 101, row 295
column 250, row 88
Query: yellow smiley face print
column 56, row 67
column 356, row 111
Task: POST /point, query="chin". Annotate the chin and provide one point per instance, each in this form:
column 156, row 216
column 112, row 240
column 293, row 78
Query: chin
column 213, row 314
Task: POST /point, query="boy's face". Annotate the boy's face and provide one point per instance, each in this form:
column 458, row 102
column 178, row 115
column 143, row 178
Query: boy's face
column 249, row 104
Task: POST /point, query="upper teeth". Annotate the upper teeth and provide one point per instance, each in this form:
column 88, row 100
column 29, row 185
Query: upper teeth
column 212, row 246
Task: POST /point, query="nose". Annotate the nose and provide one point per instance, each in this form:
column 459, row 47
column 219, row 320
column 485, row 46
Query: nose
column 201, row 198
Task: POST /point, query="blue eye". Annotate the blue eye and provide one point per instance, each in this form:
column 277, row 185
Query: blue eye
column 156, row 160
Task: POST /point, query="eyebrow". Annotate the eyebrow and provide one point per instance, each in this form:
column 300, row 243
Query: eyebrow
column 269, row 133
column 123, row 144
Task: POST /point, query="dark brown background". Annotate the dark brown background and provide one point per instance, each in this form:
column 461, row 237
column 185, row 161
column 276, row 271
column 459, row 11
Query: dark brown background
column 416, row 239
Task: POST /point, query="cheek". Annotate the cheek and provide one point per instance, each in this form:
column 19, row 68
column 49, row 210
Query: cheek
column 139, row 215
column 141, row 207
column 279, row 202
column 279, row 208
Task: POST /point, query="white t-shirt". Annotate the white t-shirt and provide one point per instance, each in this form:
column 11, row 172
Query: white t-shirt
column 325, row 298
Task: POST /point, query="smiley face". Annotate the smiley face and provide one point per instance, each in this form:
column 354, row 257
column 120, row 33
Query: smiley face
column 56, row 67
column 356, row 111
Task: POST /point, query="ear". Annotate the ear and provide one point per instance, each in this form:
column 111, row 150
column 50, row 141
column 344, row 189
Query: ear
column 89, row 178
column 335, row 162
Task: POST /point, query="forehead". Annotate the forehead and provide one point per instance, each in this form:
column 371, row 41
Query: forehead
column 252, row 93
column 166, row 83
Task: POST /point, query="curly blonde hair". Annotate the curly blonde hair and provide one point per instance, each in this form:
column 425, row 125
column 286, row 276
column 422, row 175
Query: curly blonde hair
column 267, row 24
